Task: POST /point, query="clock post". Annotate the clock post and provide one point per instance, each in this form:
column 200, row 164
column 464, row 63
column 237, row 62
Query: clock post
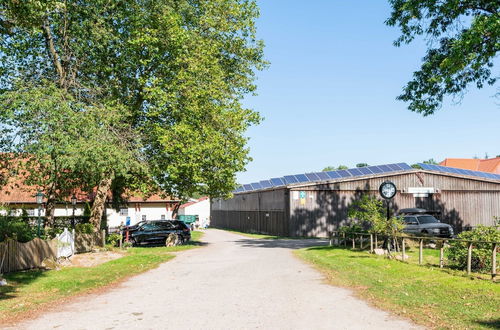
column 387, row 190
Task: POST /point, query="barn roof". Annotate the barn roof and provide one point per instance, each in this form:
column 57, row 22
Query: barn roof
column 308, row 179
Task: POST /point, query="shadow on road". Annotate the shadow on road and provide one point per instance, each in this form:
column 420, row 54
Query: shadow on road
column 282, row 243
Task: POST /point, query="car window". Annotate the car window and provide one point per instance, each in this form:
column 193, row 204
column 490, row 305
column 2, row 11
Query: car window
column 409, row 220
column 165, row 225
column 149, row 227
column 179, row 225
column 427, row 219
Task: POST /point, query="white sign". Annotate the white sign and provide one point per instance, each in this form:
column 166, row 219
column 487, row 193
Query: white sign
column 421, row 190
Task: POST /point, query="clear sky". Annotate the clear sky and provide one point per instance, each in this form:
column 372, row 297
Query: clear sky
column 328, row 97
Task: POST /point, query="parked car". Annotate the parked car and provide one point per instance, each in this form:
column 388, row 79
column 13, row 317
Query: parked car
column 157, row 231
column 420, row 222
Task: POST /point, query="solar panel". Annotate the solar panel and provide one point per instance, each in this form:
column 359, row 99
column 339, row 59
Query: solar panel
column 385, row 168
column 290, row 179
column 365, row 171
column 446, row 169
column 322, row 175
column 354, row 172
column 394, row 167
column 247, row 187
column 301, row 178
column 239, row 189
column 277, row 182
column 374, row 169
column 256, row 185
column 313, row 177
column 266, row 184
column 344, row 173
column 404, row 166
column 333, row 174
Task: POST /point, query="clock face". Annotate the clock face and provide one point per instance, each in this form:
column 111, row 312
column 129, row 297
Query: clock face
column 388, row 190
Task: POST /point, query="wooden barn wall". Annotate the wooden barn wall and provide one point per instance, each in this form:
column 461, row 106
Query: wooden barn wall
column 259, row 212
column 460, row 202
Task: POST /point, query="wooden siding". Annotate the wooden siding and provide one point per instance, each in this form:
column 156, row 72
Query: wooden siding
column 460, row 201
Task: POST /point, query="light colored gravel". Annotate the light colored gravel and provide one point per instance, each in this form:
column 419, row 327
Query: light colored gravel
column 234, row 282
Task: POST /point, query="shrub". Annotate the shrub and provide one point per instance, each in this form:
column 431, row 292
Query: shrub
column 481, row 252
column 84, row 228
column 16, row 228
column 113, row 239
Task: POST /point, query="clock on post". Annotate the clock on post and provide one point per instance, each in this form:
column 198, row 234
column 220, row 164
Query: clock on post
column 387, row 190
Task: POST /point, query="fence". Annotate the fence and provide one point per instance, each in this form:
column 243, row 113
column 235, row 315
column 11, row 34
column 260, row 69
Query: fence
column 16, row 256
column 374, row 241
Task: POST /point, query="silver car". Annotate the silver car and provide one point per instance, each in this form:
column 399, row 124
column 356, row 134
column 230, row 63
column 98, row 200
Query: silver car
column 423, row 224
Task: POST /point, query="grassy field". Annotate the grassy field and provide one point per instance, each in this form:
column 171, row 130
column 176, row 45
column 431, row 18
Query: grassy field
column 30, row 290
column 428, row 296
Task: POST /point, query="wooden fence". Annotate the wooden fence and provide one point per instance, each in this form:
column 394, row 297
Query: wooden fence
column 338, row 237
column 15, row 256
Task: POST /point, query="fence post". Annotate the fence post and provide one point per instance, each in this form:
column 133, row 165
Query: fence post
column 403, row 248
column 441, row 254
column 376, row 241
column 371, row 243
column 469, row 258
column 103, row 242
column 330, row 238
column 345, row 240
column 361, row 241
column 421, row 251
column 353, row 241
column 494, row 262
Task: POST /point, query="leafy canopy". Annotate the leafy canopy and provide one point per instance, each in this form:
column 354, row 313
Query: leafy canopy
column 464, row 39
column 170, row 74
column 371, row 210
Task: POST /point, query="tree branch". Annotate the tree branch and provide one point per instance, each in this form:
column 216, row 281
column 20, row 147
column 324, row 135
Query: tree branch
column 49, row 40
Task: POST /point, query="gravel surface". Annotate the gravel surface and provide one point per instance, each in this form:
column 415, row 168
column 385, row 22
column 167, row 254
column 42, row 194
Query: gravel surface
column 234, row 282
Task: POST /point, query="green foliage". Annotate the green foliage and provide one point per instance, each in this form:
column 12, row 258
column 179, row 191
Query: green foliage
column 430, row 162
column 333, row 168
column 113, row 239
column 481, row 252
column 371, row 210
column 352, row 229
column 154, row 88
column 84, row 228
column 466, row 34
column 16, row 228
column 416, row 166
column 362, row 165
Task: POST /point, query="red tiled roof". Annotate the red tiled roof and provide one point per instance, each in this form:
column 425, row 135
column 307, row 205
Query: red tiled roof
column 194, row 202
column 484, row 165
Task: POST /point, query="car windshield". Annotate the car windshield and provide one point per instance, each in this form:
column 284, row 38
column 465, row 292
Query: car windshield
column 427, row 219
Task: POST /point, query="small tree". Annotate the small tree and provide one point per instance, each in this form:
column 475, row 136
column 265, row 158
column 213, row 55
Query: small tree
column 371, row 210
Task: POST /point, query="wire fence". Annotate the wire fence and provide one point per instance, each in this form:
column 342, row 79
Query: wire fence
column 399, row 244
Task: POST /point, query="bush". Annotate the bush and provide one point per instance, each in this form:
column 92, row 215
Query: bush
column 113, row 239
column 481, row 252
column 16, row 228
column 351, row 229
column 84, row 228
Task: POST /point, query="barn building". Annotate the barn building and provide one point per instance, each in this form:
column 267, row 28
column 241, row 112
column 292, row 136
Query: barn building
column 313, row 204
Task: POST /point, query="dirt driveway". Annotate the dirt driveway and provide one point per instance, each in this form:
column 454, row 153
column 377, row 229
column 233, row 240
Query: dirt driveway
column 234, row 282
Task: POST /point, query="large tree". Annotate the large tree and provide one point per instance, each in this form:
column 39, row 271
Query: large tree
column 174, row 70
column 463, row 38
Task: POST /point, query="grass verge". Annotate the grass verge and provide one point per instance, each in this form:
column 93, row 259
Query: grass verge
column 31, row 290
column 427, row 295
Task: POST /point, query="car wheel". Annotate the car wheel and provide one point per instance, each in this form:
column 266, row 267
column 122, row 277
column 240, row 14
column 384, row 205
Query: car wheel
column 425, row 232
column 133, row 242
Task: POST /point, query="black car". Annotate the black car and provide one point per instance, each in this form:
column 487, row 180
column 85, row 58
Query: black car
column 156, row 232
column 419, row 222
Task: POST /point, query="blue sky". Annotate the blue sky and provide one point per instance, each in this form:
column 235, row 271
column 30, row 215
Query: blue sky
column 328, row 97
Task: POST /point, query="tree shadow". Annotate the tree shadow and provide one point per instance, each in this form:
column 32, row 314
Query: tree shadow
column 293, row 244
column 493, row 324
column 17, row 280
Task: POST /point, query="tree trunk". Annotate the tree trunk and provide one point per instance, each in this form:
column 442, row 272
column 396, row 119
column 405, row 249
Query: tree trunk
column 99, row 205
column 176, row 210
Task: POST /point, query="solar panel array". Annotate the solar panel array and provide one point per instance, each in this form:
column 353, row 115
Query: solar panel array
column 446, row 169
column 323, row 176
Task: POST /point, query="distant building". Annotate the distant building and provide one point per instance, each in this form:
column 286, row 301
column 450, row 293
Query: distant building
column 491, row 165
column 16, row 197
column 199, row 207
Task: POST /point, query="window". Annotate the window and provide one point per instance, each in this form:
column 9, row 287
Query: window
column 144, row 217
column 427, row 219
column 124, row 211
column 162, row 217
column 410, row 220
column 30, row 212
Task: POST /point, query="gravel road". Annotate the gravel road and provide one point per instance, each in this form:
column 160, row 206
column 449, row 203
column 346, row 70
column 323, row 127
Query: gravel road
column 234, row 282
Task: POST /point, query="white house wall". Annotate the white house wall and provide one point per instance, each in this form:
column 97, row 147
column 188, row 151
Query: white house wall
column 201, row 209
column 151, row 211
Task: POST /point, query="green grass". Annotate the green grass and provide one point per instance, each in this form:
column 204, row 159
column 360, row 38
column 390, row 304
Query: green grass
column 30, row 290
column 427, row 295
